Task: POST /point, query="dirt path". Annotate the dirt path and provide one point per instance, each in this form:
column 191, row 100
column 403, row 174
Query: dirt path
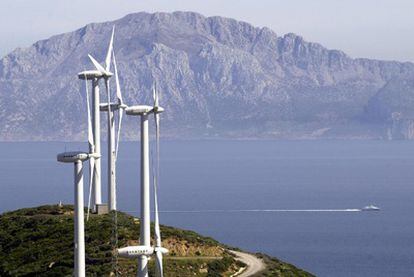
column 254, row 264
column 193, row 258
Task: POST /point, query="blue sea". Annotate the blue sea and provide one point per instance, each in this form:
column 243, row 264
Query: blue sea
column 222, row 179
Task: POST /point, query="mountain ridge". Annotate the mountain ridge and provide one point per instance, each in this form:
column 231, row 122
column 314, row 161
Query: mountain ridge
column 218, row 77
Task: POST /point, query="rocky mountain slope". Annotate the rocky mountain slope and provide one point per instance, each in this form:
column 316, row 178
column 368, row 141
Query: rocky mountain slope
column 218, row 77
column 39, row 242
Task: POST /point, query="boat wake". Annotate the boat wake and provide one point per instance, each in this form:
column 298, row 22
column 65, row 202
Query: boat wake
column 263, row 211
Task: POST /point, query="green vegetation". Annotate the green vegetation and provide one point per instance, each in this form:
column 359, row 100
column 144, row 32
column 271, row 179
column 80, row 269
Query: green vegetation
column 277, row 268
column 39, row 242
column 219, row 267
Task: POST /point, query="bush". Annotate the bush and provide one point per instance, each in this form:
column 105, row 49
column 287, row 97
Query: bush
column 217, row 267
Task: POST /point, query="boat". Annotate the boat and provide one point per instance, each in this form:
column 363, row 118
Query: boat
column 370, row 208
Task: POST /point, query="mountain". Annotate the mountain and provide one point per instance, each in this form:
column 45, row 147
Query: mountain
column 39, row 242
column 217, row 77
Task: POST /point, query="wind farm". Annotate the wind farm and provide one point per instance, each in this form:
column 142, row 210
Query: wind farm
column 223, row 142
column 144, row 250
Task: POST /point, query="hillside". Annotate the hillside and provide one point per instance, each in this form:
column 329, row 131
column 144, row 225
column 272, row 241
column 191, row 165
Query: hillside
column 39, row 242
column 218, row 77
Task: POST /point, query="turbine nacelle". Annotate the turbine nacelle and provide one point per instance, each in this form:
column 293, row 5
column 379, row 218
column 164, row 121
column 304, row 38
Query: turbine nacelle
column 140, row 250
column 143, row 109
column 72, row 157
column 89, row 75
column 103, row 107
column 135, row 251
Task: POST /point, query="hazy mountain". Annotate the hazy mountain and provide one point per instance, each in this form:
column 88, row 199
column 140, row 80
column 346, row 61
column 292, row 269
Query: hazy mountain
column 217, row 77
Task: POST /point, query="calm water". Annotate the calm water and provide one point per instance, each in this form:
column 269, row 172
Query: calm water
column 231, row 175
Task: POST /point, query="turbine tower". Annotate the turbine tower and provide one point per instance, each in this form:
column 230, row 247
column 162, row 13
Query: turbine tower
column 145, row 233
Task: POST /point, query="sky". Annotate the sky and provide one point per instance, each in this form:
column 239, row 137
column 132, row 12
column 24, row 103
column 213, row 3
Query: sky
column 379, row 29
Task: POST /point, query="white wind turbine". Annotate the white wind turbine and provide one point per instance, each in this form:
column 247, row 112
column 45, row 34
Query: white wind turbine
column 144, row 250
column 94, row 76
column 113, row 147
column 79, row 225
column 77, row 158
column 93, row 138
column 105, row 74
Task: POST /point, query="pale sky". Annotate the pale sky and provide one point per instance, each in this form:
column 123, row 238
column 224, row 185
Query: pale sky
column 380, row 29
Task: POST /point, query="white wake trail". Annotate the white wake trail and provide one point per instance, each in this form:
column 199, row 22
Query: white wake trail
column 262, row 211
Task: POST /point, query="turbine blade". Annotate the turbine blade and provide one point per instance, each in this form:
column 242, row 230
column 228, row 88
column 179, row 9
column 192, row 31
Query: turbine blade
column 158, row 258
column 91, row 174
column 109, row 109
column 156, row 216
column 90, row 134
column 97, row 65
column 156, row 177
column 153, row 94
column 157, row 232
column 118, row 87
column 118, row 135
column 109, row 102
column 109, row 53
column 91, row 148
column 156, row 95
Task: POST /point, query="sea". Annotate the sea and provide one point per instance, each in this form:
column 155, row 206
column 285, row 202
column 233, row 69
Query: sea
column 294, row 200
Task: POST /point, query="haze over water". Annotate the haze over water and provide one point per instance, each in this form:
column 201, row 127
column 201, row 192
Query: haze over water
column 216, row 177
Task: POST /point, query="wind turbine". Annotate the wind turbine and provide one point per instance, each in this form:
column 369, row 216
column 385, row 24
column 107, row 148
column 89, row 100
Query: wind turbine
column 112, row 148
column 145, row 233
column 95, row 76
column 93, row 138
column 77, row 158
